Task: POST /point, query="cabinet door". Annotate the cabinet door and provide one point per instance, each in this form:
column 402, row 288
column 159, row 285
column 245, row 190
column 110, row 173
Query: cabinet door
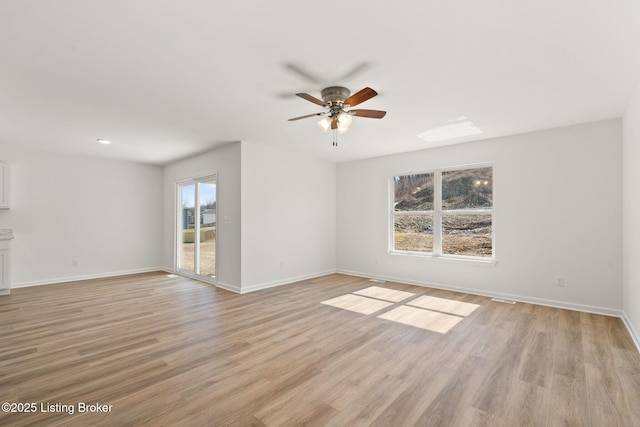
column 5, row 184
column 5, row 267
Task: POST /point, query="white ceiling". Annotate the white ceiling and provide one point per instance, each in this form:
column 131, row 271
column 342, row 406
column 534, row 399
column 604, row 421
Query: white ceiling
column 167, row 79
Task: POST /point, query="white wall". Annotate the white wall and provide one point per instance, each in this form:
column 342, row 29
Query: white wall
column 104, row 213
column 226, row 162
column 631, row 215
column 119, row 217
column 288, row 216
column 557, row 212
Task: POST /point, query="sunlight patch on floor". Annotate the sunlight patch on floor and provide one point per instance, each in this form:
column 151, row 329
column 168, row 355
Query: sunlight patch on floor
column 356, row 303
column 424, row 319
column 425, row 312
column 384, row 293
column 444, row 305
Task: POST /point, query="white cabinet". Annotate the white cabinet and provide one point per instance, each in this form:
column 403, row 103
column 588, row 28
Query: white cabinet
column 5, row 186
column 5, row 261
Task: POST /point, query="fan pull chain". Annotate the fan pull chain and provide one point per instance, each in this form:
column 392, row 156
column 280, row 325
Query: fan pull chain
column 335, row 137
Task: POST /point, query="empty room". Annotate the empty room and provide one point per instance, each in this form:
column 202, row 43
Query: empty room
column 289, row 213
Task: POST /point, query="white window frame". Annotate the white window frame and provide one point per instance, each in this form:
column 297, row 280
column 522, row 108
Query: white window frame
column 438, row 213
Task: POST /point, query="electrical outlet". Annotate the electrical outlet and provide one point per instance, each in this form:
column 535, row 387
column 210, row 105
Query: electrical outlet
column 559, row 281
column 74, row 262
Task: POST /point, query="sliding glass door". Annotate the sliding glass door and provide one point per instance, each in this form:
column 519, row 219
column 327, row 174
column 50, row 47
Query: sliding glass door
column 196, row 226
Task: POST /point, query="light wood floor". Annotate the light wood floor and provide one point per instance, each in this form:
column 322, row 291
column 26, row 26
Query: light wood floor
column 168, row 350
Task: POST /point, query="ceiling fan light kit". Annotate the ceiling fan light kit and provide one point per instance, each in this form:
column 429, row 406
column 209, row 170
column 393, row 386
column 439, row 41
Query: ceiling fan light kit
column 338, row 101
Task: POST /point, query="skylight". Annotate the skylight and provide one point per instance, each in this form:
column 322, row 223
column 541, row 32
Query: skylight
column 455, row 129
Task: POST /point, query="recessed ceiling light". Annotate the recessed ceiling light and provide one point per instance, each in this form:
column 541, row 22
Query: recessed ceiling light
column 104, row 141
column 458, row 128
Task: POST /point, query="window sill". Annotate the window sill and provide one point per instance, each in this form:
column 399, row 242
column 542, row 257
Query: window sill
column 448, row 258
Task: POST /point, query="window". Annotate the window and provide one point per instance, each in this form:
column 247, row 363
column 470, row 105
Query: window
column 444, row 212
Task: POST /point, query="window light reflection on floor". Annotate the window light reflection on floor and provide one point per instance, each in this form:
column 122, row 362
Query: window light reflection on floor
column 384, row 293
column 425, row 312
column 359, row 304
column 424, row 319
column 444, row 305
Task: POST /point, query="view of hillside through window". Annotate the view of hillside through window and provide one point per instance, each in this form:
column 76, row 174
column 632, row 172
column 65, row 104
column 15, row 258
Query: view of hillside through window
column 414, row 197
column 444, row 213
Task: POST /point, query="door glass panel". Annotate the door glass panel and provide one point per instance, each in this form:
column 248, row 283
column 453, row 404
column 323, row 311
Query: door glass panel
column 186, row 256
column 207, row 246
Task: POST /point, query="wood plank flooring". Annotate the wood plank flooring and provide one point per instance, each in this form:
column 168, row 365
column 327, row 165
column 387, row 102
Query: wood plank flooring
column 166, row 350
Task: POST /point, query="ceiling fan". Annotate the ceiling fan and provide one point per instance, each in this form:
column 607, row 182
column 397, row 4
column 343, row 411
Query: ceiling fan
column 338, row 102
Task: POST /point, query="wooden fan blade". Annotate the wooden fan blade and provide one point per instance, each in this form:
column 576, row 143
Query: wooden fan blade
column 334, row 124
column 360, row 96
column 311, row 98
column 373, row 114
column 307, row 116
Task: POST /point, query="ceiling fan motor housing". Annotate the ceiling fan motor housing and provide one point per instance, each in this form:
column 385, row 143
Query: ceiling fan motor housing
column 333, row 94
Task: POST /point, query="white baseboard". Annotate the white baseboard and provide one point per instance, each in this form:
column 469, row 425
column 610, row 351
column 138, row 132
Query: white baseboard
column 228, row 287
column 520, row 298
column 85, row 277
column 634, row 335
column 289, row 280
column 244, row 290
